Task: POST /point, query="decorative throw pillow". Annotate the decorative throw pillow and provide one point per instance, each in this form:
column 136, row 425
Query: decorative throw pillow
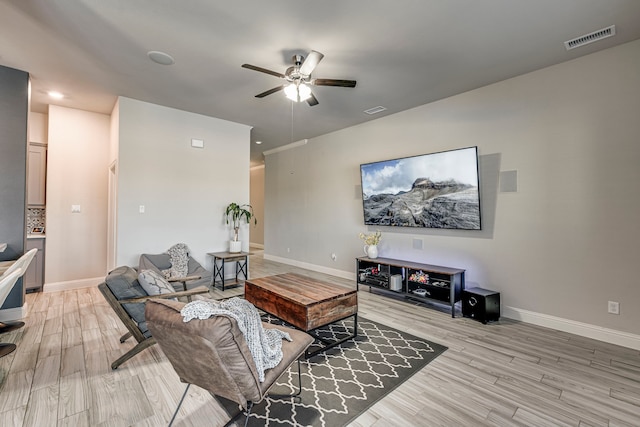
column 153, row 283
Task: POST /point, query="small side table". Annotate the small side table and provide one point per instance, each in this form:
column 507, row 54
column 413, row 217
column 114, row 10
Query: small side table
column 220, row 258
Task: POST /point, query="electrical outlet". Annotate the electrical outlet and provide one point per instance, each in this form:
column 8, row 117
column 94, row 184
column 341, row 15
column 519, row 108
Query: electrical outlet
column 334, row 257
column 613, row 307
column 288, row 250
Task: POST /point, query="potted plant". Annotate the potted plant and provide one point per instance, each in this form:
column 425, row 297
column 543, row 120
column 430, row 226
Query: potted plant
column 234, row 215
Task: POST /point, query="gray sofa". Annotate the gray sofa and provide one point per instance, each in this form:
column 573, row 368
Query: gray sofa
column 159, row 262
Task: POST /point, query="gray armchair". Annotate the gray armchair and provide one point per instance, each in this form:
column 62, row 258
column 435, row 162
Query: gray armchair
column 159, row 262
column 217, row 356
column 127, row 298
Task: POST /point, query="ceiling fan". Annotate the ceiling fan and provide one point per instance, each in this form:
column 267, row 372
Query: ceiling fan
column 298, row 79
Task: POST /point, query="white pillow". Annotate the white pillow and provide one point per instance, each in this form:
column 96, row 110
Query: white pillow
column 153, row 283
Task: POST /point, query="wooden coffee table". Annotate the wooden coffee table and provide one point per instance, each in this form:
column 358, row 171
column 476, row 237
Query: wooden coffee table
column 305, row 303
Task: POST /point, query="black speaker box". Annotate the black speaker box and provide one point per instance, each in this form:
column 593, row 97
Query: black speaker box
column 481, row 304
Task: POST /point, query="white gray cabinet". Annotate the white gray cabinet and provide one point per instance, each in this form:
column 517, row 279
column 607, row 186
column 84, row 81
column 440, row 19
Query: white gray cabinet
column 37, row 179
column 34, row 277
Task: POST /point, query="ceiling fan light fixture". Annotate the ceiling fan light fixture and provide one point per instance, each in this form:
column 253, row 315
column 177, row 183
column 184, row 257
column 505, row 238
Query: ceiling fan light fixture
column 304, row 92
column 297, row 92
column 291, row 92
column 298, row 79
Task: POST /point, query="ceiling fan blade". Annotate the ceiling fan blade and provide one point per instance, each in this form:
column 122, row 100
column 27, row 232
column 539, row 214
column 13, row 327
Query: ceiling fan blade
column 310, row 63
column 312, row 100
column 270, row 91
column 333, row 82
column 263, row 70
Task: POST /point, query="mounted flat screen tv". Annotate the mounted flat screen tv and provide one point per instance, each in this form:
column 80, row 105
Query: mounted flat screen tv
column 438, row 190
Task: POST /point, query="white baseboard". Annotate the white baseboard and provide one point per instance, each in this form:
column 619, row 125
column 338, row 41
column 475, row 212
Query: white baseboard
column 13, row 314
column 611, row 336
column 72, row 284
column 312, row 267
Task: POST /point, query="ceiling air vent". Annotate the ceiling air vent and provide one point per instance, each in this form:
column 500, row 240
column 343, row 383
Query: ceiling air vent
column 375, row 110
column 591, row 37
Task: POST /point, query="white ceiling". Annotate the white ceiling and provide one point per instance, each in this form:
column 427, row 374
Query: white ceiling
column 403, row 53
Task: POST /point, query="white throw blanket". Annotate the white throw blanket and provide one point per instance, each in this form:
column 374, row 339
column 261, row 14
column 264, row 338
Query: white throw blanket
column 265, row 344
column 179, row 254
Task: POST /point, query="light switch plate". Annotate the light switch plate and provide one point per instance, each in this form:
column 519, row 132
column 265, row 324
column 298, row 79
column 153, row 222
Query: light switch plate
column 75, row 208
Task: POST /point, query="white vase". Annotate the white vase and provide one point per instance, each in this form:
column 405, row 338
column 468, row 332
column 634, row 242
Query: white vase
column 371, row 251
column 235, row 246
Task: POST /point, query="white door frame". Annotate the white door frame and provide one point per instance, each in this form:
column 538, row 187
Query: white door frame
column 112, row 217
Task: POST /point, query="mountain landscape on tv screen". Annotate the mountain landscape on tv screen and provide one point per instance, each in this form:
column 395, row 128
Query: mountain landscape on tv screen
column 443, row 204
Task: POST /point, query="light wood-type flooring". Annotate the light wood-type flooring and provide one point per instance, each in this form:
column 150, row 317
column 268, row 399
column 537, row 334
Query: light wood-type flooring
column 502, row 374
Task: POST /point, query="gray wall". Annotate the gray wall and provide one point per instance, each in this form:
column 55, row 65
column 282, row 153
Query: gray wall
column 77, row 163
column 558, row 249
column 14, row 107
column 184, row 189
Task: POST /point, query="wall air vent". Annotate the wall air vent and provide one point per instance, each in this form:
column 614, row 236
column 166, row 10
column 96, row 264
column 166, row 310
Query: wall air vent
column 375, row 110
column 591, row 37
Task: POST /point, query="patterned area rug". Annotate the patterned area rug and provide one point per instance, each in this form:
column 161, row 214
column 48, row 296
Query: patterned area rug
column 341, row 383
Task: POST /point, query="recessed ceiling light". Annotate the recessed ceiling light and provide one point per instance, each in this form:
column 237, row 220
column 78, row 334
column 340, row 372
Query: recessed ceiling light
column 54, row 94
column 160, row 57
column 258, row 142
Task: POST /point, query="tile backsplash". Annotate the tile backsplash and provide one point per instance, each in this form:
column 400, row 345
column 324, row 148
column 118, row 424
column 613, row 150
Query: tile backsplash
column 35, row 218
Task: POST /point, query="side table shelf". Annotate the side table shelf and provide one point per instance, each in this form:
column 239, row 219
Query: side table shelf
column 219, row 260
column 420, row 282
